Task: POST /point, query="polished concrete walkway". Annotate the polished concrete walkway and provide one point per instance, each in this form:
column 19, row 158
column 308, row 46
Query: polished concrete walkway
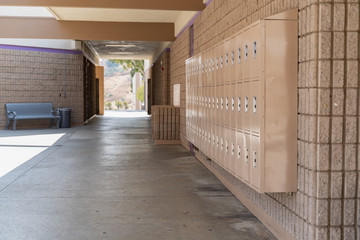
column 107, row 180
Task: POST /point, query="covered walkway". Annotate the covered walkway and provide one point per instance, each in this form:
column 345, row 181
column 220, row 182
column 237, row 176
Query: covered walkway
column 107, row 180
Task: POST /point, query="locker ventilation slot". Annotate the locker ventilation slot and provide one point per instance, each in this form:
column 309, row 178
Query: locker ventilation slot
column 246, row 104
column 254, row 104
column 254, row 53
column 246, row 52
column 247, row 156
column 254, row 160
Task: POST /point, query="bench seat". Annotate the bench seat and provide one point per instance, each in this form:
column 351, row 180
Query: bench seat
column 29, row 111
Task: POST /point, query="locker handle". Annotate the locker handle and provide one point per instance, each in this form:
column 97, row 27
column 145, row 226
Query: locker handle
column 226, row 59
column 239, row 55
column 221, row 61
column 246, row 52
column 227, row 103
column 227, row 147
column 254, row 160
column 246, row 104
column 232, row 149
column 254, row 104
column 239, row 153
column 222, row 103
column 222, row 144
column 217, row 102
column 232, row 104
column 213, row 102
column 209, row 99
column 217, row 63
column 232, row 58
column 239, row 104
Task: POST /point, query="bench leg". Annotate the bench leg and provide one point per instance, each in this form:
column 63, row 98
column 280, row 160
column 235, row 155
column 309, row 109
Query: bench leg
column 7, row 124
column 14, row 124
column 58, row 123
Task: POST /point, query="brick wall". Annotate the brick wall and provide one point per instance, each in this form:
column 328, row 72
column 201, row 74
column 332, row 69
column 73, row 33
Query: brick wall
column 180, row 51
column 160, row 80
column 40, row 75
column 327, row 204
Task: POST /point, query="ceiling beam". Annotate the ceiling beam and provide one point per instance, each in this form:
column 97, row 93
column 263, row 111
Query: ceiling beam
column 47, row 28
column 180, row 5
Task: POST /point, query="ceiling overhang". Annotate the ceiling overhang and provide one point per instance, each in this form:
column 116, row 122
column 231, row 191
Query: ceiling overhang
column 179, row 5
column 47, row 28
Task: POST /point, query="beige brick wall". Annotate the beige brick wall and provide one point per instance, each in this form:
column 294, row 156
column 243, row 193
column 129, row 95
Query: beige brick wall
column 39, row 76
column 327, row 204
column 160, row 80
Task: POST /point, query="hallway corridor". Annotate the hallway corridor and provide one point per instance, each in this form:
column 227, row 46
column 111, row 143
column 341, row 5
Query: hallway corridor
column 108, row 180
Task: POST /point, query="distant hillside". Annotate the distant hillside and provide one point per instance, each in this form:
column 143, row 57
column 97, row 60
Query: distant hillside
column 117, row 84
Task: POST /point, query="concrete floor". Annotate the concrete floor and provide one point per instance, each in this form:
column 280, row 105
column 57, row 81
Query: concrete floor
column 107, row 180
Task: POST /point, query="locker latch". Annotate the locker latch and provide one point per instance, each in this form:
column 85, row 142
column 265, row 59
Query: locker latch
column 217, row 63
column 232, row 58
column 239, row 104
column 254, row 160
column 254, row 104
column 213, row 102
column 217, row 102
column 227, row 146
column 239, row 153
column 239, row 55
column 227, row 103
column 209, row 99
column 217, row 141
column 222, row 103
column 222, row 144
column 221, row 61
column 246, row 104
column 232, row 149
column 226, row 59
column 232, row 104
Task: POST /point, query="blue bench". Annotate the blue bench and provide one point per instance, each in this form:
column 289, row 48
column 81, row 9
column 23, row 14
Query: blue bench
column 22, row 111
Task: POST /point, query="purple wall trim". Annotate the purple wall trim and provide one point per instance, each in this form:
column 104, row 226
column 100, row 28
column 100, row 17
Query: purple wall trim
column 189, row 23
column 192, row 20
column 38, row 49
column 207, row 4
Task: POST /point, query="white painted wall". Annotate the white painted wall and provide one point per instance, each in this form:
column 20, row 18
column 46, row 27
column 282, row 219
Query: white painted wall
column 43, row 43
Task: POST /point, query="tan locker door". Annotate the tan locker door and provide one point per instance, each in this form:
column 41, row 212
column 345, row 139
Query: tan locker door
column 239, row 106
column 227, row 61
column 221, row 105
column 239, row 60
column 232, row 60
column 255, row 161
column 255, row 47
column 233, row 149
column 233, row 105
column 246, row 109
column 226, row 151
column 254, row 108
column 213, row 141
column 239, row 154
column 246, row 60
column 218, row 145
column 246, row 157
column 227, row 105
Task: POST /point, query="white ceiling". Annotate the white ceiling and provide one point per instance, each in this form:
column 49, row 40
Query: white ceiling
column 141, row 49
column 114, row 15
